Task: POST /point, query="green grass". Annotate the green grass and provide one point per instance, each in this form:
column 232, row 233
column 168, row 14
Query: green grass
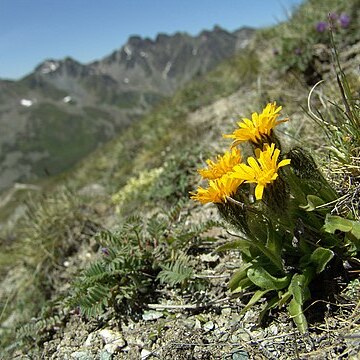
column 96, row 113
column 50, row 232
column 46, row 89
column 296, row 42
column 139, row 147
column 69, row 139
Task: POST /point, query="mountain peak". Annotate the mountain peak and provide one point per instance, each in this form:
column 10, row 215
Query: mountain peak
column 218, row 28
column 100, row 98
column 48, row 66
column 51, row 65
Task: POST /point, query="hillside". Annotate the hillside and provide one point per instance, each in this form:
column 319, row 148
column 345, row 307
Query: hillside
column 113, row 260
column 63, row 110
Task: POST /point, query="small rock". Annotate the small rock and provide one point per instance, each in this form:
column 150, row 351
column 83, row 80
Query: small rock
column 240, row 355
column 250, row 317
column 190, row 323
column 152, row 315
column 104, row 355
column 244, row 336
column 145, row 354
column 273, row 329
column 113, row 340
column 197, row 324
column 111, row 348
column 209, row 258
column 88, row 340
column 208, row 326
column 257, row 334
column 226, row 311
column 81, row 355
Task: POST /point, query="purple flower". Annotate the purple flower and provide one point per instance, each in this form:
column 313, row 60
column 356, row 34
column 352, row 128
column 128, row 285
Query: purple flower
column 105, row 251
column 298, row 51
column 344, row 20
column 333, row 16
column 321, row 26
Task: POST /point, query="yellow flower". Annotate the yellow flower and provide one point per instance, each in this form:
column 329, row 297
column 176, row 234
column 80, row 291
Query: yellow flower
column 223, row 165
column 259, row 125
column 262, row 170
column 218, row 190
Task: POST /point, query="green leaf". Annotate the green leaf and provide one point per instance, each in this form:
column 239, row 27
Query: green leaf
column 242, row 245
column 297, row 287
column 254, row 299
column 352, row 244
column 242, row 285
column 334, row 222
column 283, row 299
column 321, row 257
column 260, row 277
column 313, row 202
column 275, row 240
column 238, row 276
column 296, row 312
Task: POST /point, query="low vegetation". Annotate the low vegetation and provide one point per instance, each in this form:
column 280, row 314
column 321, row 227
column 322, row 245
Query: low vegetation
column 119, row 231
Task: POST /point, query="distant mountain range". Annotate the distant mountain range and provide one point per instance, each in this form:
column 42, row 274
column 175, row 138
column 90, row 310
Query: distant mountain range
column 63, row 110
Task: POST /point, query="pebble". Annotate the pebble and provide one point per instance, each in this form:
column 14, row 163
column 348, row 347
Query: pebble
column 152, row 315
column 208, row 326
column 113, row 340
column 226, row 311
column 145, row 354
column 209, row 258
column 240, row 355
column 88, row 340
column 104, row 355
column 81, row 355
column 244, row 336
column 273, row 329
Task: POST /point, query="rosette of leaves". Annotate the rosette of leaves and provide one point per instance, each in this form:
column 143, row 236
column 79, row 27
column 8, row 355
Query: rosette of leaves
column 289, row 241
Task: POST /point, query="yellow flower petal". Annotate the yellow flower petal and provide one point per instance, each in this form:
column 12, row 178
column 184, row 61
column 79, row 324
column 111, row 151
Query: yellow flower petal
column 263, row 170
column 218, row 190
column 284, row 162
column 259, row 190
column 260, row 125
column 222, row 165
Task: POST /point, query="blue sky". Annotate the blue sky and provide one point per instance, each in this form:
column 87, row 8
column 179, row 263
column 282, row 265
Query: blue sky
column 34, row 30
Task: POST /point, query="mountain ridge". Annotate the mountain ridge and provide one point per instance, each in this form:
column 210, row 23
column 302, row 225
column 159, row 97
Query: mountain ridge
column 64, row 109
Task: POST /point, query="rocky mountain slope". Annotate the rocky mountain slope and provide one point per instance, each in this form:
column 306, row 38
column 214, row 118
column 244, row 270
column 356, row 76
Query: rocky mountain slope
column 64, row 109
column 128, row 205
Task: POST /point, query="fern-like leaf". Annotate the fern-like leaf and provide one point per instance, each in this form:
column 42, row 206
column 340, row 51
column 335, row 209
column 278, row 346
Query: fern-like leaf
column 177, row 272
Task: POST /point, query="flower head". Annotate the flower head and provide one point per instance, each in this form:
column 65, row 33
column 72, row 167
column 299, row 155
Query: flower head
column 105, row 251
column 344, row 20
column 259, row 126
column 218, row 190
column 223, row 165
column 333, row 16
column 262, row 170
column 321, row 26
